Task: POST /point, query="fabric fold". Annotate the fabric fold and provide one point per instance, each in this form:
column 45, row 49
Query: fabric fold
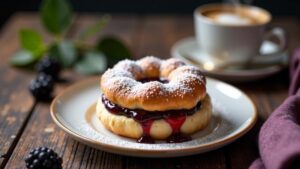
column 279, row 137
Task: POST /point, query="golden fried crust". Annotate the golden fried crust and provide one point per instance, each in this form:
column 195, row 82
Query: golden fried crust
column 160, row 129
column 186, row 86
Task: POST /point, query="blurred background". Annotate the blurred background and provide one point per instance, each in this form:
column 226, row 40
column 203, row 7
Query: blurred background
column 277, row 7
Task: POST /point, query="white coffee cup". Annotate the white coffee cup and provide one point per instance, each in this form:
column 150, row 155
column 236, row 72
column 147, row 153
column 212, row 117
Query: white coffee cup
column 233, row 34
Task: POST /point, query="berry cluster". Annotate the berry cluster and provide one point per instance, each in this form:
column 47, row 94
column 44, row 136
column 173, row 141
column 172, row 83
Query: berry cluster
column 43, row 158
column 50, row 67
column 42, row 86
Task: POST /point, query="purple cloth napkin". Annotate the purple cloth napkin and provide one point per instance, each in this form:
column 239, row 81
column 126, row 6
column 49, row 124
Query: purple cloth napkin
column 279, row 137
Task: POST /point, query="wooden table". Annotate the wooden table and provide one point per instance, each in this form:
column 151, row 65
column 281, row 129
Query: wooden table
column 25, row 124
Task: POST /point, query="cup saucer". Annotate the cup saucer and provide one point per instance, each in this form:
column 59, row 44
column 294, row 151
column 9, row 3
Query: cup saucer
column 187, row 49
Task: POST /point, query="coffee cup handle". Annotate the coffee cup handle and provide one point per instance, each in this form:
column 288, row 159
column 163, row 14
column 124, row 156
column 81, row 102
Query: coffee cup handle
column 278, row 56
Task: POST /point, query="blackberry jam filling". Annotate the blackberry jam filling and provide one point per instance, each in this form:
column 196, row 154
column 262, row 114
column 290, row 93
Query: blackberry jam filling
column 175, row 118
column 162, row 80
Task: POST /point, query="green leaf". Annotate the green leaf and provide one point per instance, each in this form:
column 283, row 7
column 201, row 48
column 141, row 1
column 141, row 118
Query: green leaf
column 93, row 62
column 114, row 49
column 94, row 29
column 56, row 15
column 22, row 58
column 31, row 41
column 64, row 52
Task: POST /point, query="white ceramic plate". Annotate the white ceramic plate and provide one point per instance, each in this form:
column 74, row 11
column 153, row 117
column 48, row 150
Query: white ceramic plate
column 233, row 115
column 187, row 49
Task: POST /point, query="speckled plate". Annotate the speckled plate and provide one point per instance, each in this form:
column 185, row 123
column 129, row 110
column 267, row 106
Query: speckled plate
column 74, row 111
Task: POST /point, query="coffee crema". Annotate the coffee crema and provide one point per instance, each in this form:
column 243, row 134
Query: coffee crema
column 236, row 15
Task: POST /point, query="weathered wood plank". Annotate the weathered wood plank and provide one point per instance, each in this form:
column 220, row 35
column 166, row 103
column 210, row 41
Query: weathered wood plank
column 42, row 129
column 15, row 100
column 159, row 33
column 208, row 160
column 291, row 26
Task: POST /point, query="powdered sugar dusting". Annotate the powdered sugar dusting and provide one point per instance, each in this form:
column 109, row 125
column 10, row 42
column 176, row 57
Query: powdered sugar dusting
column 149, row 90
column 121, row 84
column 150, row 59
column 184, row 81
column 111, row 73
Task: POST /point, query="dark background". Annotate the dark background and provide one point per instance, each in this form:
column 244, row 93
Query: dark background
column 277, row 7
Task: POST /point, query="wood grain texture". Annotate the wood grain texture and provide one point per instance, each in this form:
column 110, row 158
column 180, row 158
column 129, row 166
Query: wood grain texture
column 291, row 27
column 214, row 159
column 159, row 33
column 41, row 130
column 145, row 35
column 15, row 100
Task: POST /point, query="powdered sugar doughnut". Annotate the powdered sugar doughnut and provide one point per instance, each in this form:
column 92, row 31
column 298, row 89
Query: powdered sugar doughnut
column 123, row 84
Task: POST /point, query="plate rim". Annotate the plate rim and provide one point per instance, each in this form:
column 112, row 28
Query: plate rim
column 200, row 148
column 267, row 71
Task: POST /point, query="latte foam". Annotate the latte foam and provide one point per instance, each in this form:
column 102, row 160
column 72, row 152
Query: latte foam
column 232, row 15
column 229, row 18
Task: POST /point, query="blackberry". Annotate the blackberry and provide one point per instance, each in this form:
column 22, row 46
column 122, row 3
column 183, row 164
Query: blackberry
column 49, row 66
column 42, row 87
column 43, row 158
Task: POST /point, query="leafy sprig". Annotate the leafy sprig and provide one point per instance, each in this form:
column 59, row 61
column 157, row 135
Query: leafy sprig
column 56, row 17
